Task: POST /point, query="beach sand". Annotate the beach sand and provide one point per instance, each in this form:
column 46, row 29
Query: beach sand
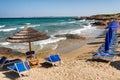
column 76, row 65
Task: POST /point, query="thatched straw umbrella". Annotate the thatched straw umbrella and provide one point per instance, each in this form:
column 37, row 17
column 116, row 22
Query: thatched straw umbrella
column 29, row 35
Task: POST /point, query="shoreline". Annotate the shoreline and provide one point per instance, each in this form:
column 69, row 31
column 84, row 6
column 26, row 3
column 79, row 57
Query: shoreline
column 64, row 47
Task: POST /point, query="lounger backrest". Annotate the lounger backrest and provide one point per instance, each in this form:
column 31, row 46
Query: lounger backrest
column 27, row 65
column 28, row 53
column 20, row 67
column 48, row 59
column 55, row 58
column 58, row 57
column 3, row 59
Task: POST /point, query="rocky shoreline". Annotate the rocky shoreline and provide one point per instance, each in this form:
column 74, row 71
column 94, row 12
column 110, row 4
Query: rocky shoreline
column 71, row 36
column 101, row 19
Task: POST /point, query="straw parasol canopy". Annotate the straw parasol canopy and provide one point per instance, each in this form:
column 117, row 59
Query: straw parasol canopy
column 29, row 35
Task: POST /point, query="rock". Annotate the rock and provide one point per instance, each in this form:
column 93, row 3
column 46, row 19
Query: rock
column 5, row 50
column 59, row 35
column 100, row 23
column 74, row 36
column 71, row 36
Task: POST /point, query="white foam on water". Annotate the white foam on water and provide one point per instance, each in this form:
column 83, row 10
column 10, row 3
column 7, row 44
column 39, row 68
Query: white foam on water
column 1, row 26
column 35, row 25
column 50, row 40
column 4, row 43
column 55, row 23
column 31, row 25
column 22, row 47
column 72, row 22
column 86, row 27
column 22, row 27
column 42, row 43
column 75, row 31
column 27, row 23
column 62, row 23
column 87, row 31
column 7, row 30
column 58, row 23
column 46, row 31
column 82, row 20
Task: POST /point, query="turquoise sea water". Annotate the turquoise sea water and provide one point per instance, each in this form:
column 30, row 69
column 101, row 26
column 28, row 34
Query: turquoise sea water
column 51, row 25
column 9, row 26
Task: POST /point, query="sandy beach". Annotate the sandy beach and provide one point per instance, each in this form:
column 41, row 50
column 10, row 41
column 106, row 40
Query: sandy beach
column 76, row 65
column 84, row 33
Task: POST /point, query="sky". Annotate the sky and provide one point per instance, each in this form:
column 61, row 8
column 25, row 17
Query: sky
column 42, row 8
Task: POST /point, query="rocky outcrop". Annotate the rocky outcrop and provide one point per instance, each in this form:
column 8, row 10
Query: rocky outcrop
column 72, row 36
column 5, row 50
column 99, row 23
column 103, row 19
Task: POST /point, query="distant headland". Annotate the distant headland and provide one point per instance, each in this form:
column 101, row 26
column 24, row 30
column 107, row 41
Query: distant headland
column 103, row 19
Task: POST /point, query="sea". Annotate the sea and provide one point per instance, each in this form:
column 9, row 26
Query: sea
column 50, row 25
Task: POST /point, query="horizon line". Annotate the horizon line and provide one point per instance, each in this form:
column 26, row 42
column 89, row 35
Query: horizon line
column 55, row 16
column 40, row 17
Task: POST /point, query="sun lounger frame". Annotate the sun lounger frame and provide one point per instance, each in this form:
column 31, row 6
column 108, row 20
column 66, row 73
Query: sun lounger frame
column 17, row 70
column 53, row 63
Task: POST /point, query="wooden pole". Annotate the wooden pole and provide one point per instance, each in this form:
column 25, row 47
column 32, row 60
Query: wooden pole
column 30, row 49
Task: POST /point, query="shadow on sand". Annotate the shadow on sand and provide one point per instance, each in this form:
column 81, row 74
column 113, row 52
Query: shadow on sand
column 46, row 65
column 100, row 37
column 93, row 43
column 118, row 42
column 9, row 74
column 97, row 60
column 115, row 64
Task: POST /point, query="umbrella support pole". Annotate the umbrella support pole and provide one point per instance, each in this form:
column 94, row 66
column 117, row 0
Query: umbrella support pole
column 30, row 49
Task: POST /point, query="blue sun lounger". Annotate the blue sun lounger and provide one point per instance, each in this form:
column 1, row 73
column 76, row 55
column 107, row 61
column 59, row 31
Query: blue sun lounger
column 27, row 65
column 101, row 49
column 106, row 51
column 113, row 42
column 19, row 67
column 103, row 56
column 4, row 61
column 53, row 58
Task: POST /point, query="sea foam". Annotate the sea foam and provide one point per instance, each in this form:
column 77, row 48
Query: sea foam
column 87, row 31
column 34, row 25
column 27, row 23
column 4, row 43
column 30, row 25
column 7, row 30
column 41, row 43
column 1, row 26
